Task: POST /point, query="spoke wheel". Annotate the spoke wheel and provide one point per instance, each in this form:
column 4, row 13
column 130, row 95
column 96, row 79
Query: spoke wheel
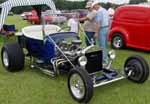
column 80, row 85
column 77, row 86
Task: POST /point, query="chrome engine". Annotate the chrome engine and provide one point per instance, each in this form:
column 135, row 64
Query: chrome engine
column 70, row 49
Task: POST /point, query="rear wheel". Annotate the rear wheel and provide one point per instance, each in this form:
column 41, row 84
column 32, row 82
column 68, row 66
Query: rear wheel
column 136, row 68
column 80, row 85
column 118, row 41
column 12, row 57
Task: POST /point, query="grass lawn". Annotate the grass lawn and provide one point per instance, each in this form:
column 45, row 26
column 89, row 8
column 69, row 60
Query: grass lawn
column 33, row 87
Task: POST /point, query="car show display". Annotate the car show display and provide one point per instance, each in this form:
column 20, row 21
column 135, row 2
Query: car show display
column 53, row 50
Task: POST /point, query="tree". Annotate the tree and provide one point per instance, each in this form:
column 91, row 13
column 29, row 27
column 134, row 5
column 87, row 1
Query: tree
column 69, row 5
column 137, row 1
column 1, row 1
column 60, row 4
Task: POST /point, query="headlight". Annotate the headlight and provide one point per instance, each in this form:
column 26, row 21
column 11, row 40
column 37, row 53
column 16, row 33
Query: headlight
column 112, row 54
column 82, row 61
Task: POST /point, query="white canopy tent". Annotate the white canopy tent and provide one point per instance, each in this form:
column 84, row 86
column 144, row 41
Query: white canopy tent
column 119, row 1
column 8, row 5
column 114, row 1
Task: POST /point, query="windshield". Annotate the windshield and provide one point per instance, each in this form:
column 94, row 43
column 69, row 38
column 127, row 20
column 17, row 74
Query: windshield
column 67, row 22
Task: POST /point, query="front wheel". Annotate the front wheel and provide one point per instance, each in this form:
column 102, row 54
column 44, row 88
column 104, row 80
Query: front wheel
column 136, row 68
column 80, row 85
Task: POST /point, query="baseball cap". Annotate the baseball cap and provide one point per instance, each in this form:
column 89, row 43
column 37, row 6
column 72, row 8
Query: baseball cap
column 95, row 2
column 88, row 4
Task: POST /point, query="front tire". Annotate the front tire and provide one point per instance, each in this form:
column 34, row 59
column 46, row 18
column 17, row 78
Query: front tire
column 12, row 57
column 138, row 67
column 80, row 85
column 118, row 41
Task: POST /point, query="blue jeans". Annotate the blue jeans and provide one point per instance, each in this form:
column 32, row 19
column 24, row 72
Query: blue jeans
column 90, row 35
column 102, row 41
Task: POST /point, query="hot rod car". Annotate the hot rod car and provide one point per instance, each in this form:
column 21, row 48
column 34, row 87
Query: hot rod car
column 62, row 52
column 52, row 50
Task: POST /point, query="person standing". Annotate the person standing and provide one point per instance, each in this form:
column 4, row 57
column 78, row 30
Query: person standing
column 102, row 28
column 73, row 24
column 89, row 24
column 7, row 30
column 111, row 12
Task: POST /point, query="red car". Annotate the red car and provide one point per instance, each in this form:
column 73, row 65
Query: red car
column 34, row 19
column 131, row 27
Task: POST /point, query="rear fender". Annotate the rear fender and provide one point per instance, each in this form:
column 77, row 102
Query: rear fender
column 120, row 30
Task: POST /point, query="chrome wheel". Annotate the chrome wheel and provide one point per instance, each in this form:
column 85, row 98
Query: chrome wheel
column 80, row 85
column 5, row 59
column 77, row 86
column 117, row 42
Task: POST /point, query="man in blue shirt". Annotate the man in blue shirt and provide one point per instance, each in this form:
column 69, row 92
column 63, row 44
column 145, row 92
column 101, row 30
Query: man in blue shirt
column 102, row 28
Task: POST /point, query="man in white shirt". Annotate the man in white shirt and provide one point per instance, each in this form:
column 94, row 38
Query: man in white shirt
column 111, row 10
column 73, row 24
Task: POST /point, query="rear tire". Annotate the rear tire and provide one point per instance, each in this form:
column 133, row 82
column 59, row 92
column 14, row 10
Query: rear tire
column 139, row 68
column 12, row 57
column 118, row 41
column 80, row 85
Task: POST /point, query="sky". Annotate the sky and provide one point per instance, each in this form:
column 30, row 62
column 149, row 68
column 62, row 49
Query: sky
column 113, row 1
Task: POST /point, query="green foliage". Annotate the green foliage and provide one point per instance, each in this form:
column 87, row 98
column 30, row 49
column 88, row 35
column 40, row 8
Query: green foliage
column 1, row 1
column 68, row 5
column 60, row 4
column 137, row 1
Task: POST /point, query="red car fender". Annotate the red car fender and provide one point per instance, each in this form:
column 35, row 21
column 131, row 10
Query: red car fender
column 119, row 30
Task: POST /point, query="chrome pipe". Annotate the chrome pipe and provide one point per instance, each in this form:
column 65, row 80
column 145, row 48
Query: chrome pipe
column 107, row 82
column 61, row 51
